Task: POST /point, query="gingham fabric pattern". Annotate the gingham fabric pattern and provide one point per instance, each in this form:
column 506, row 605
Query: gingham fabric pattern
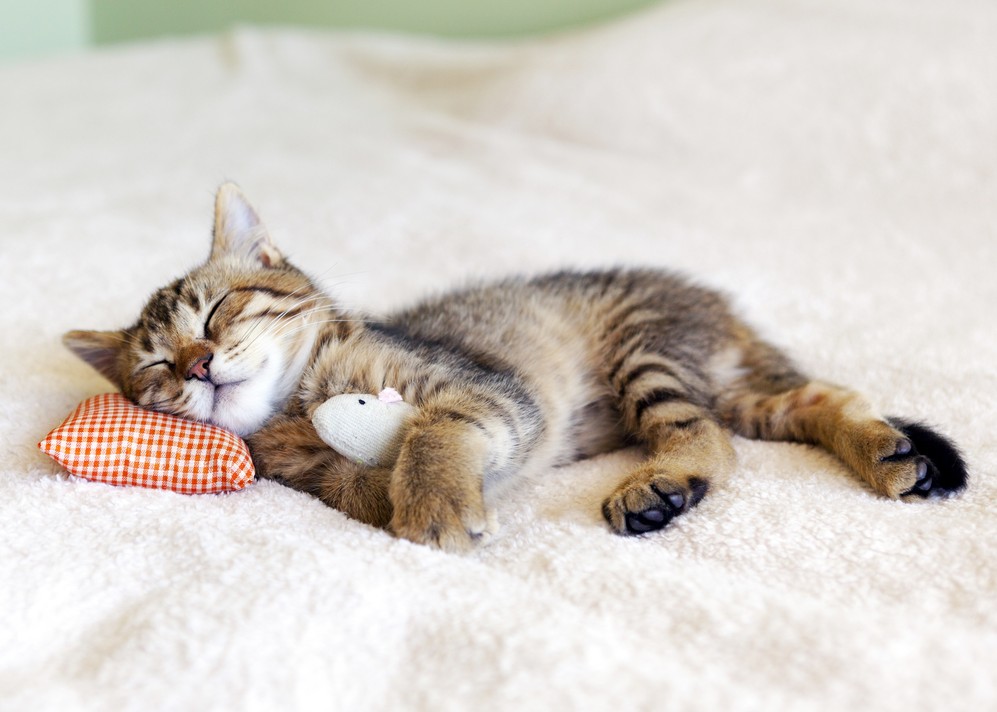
column 109, row 439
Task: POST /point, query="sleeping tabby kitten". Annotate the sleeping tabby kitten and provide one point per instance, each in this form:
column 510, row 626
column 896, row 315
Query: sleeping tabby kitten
column 520, row 374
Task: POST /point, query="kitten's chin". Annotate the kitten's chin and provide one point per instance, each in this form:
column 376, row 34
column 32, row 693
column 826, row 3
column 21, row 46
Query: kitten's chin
column 242, row 407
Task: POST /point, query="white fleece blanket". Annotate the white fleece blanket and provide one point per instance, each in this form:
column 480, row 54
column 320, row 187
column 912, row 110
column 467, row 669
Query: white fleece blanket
column 832, row 164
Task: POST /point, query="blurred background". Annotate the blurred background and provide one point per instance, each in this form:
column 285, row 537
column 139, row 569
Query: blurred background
column 34, row 28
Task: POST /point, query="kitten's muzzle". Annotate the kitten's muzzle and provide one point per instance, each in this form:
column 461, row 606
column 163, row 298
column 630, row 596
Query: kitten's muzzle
column 195, row 361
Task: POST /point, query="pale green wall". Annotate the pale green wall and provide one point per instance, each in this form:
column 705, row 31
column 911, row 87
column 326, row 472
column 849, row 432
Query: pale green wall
column 128, row 19
column 37, row 27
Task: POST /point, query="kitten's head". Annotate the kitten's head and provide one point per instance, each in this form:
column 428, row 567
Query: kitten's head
column 225, row 344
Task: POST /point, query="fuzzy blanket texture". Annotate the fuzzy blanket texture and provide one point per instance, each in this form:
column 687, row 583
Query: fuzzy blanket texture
column 831, row 164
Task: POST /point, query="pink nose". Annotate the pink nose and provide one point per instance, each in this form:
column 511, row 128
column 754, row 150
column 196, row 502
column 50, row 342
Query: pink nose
column 199, row 369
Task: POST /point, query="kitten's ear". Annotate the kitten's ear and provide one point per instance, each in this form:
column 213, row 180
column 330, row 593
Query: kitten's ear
column 100, row 349
column 239, row 230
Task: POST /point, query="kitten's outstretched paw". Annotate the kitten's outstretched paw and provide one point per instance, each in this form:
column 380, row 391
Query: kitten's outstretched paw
column 902, row 459
column 648, row 500
column 939, row 469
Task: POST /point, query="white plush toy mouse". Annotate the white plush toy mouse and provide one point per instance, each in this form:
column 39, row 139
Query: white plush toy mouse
column 365, row 428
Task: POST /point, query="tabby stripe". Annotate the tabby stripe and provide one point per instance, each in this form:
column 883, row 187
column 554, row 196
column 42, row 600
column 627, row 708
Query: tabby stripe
column 160, row 310
column 325, row 338
column 473, row 367
column 529, row 417
column 620, row 317
column 629, row 349
column 343, row 328
column 433, row 390
column 500, row 410
column 467, row 359
column 415, row 385
column 646, row 327
column 267, row 290
column 192, row 298
column 604, row 282
column 465, row 418
column 645, row 368
column 657, row 397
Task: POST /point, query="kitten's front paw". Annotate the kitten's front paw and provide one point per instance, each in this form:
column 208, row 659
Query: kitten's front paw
column 436, row 486
column 444, row 518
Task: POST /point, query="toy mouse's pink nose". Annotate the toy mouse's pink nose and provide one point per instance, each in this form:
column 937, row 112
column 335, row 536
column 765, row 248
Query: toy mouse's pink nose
column 199, row 368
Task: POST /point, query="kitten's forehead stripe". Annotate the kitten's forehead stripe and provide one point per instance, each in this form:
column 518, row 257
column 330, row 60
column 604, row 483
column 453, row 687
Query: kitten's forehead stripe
column 161, row 307
column 192, row 298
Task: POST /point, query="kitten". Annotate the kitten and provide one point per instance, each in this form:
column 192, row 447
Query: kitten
column 520, row 374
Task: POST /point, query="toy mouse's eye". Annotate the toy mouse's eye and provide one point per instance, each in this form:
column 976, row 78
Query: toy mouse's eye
column 362, row 401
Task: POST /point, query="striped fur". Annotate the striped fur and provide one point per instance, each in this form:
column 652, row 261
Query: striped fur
column 508, row 377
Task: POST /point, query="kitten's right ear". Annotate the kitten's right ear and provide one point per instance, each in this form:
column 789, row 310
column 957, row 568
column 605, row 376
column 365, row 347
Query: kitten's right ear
column 239, row 230
column 100, row 349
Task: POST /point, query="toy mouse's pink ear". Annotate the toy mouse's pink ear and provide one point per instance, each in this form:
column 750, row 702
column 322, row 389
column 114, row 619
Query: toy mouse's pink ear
column 389, row 395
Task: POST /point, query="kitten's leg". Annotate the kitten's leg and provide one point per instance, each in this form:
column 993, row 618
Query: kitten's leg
column 457, row 438
column 290, row 451
column 436, row 486
column 689, row 450
column 898, row 458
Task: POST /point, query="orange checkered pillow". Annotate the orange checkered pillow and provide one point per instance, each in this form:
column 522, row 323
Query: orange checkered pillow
column 109, row 439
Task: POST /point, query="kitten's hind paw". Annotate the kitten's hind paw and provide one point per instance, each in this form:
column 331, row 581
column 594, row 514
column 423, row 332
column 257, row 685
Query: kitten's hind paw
column 941, row 470
column 648, row 500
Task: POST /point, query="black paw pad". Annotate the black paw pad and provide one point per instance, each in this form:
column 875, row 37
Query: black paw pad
column 660, row 501
column 904, row 449
column 941, row 471
column 924, row 476
column 648, row 521
column 671, row 504
column 675, row 499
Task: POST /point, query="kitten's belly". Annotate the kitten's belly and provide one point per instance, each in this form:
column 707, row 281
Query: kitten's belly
column 594, row 428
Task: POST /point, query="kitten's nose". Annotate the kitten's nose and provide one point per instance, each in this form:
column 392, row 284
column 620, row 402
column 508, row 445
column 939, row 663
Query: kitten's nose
column 195, row 361
column 199, row 369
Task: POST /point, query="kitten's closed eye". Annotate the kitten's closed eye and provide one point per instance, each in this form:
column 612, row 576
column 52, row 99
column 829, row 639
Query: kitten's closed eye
column 168, row 364
column 211, row 314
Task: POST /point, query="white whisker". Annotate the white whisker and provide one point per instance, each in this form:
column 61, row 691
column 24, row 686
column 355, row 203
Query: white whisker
column 292, row 306
column 268, row 326
column 264, row 328
column 300, row 327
